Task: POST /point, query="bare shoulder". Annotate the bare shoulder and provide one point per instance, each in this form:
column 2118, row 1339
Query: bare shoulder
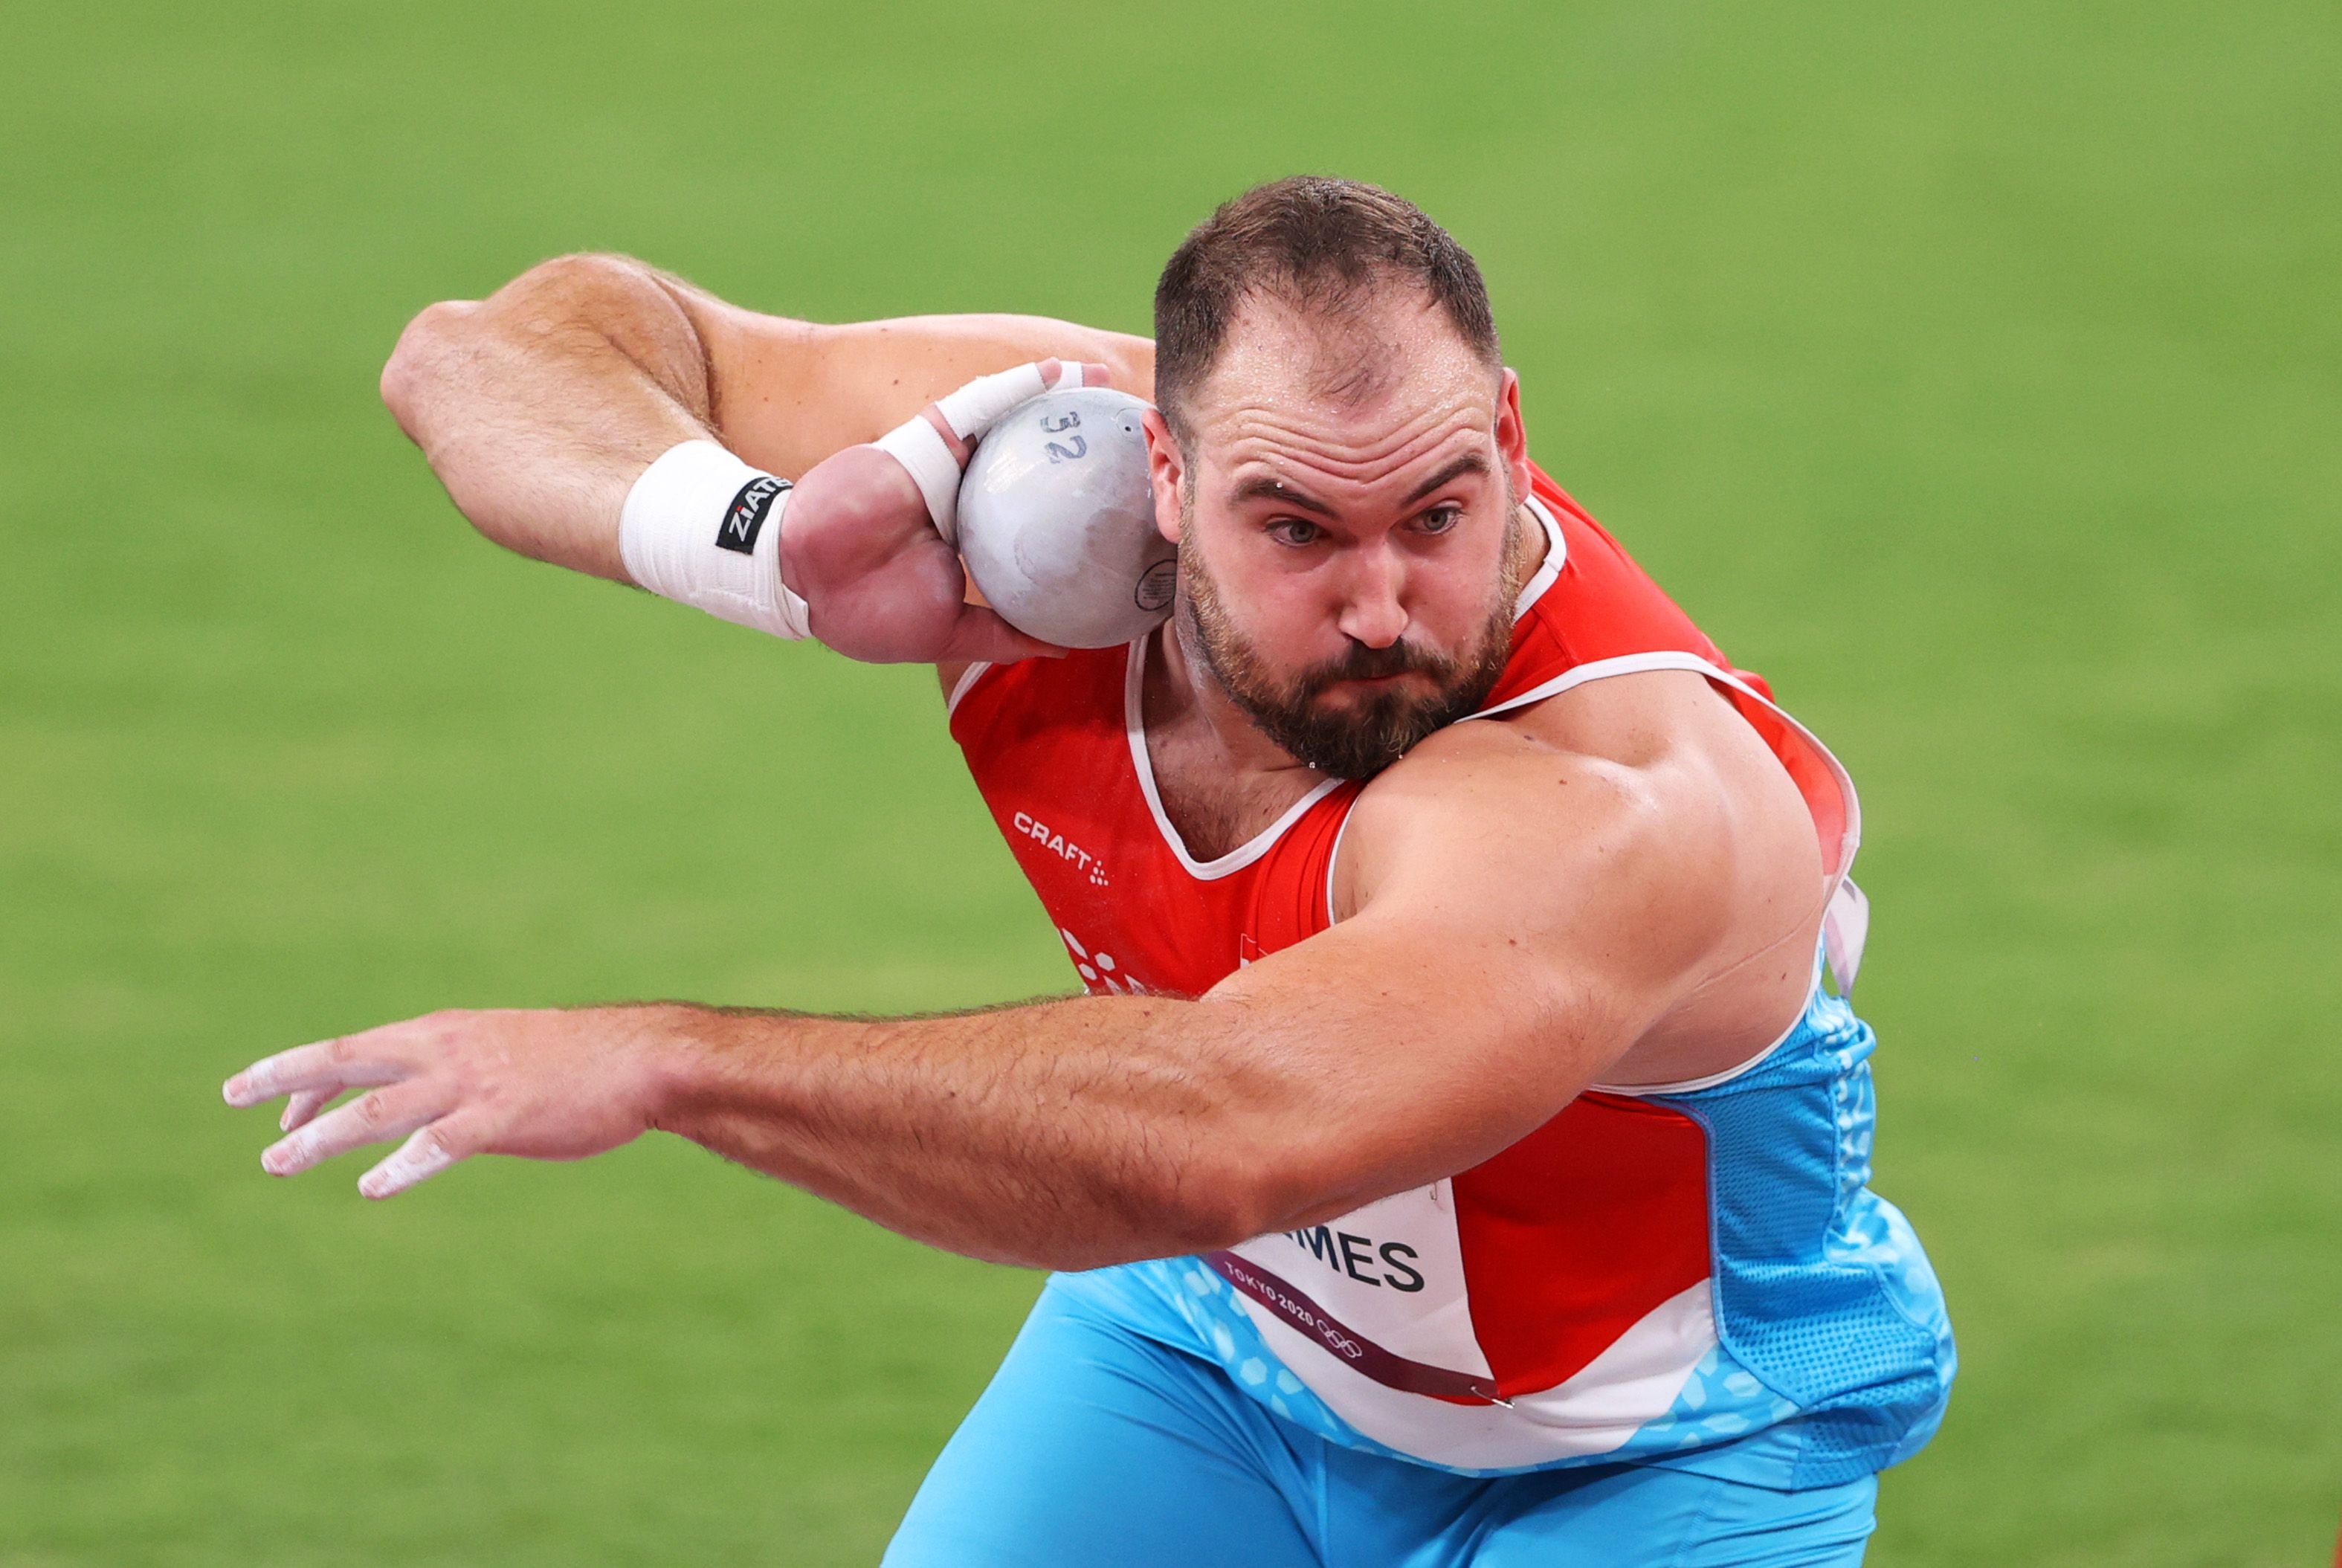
column 1528, row 815
column 1636, row 831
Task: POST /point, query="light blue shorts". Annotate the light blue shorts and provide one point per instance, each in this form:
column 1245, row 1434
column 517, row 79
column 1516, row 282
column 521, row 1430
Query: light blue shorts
column 1096, row 1444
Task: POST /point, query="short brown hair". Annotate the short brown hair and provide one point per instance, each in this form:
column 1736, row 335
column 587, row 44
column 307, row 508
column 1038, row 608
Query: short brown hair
column 1292, row 238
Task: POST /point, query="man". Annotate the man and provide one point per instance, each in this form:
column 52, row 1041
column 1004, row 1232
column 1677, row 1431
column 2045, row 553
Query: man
column 1458, row 1158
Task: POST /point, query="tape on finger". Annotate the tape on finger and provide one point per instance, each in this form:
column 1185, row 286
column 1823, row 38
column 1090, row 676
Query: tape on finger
column 933, row 445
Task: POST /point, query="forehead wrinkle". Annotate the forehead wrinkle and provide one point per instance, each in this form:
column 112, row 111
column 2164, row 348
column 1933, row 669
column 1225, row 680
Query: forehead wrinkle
column 1269, row 441
column 1370, row 357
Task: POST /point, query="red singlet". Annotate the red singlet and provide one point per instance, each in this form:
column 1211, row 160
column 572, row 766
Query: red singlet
column 1587, row 1236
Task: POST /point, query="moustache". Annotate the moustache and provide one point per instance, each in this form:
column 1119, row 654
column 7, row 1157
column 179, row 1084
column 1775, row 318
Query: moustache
column 1361, row 663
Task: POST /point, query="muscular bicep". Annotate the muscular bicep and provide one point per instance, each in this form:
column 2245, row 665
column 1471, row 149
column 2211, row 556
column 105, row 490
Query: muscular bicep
column 1528, row 920
column 787, row 394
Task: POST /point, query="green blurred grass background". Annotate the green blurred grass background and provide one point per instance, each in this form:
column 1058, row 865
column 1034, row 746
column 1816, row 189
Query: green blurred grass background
column 1973, row 373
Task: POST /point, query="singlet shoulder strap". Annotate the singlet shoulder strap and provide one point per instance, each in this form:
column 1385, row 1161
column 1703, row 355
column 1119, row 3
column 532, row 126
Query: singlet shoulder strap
column 967, row 679
column 1085, row 686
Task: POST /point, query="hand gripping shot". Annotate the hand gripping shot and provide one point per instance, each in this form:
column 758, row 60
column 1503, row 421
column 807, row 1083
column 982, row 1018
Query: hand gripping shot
column 1053, row 516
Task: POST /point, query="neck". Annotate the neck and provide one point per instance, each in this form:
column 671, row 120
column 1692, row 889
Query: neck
column 1182, row 694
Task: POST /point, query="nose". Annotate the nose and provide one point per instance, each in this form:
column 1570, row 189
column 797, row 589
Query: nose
column 1374, row 609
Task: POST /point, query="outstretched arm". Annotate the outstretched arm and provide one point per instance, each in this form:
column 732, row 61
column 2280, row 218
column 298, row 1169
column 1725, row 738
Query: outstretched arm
column 540, row 407
column 1579, row 897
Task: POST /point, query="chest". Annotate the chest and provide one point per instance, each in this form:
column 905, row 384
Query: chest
column 1212, row 810
column 1158, row 876
column 1127, row 902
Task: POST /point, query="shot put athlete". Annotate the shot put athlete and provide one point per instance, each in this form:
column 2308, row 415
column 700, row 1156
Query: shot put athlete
column 1458, row 1156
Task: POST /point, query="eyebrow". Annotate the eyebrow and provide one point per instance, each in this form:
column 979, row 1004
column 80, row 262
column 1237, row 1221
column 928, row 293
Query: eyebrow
column 1261, row 487
column 1470, row 462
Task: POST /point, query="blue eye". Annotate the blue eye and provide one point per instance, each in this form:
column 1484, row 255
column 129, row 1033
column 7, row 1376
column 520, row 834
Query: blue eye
column 1294, row 531
column 1440, row 519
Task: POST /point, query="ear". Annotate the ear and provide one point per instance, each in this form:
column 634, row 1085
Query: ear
column 1166, row 470
column 1512, row 436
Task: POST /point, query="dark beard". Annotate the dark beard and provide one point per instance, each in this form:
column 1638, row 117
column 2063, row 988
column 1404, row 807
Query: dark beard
column 1365, row 738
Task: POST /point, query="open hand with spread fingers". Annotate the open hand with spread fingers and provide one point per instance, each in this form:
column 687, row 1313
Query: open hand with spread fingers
column 546, row 1084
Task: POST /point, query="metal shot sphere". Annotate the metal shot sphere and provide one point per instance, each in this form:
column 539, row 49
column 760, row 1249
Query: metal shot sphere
column 1056, row 522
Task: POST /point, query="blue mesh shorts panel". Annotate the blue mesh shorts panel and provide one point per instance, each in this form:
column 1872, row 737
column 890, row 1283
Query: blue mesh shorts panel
column 1836, row 1356
column 1823, row 1292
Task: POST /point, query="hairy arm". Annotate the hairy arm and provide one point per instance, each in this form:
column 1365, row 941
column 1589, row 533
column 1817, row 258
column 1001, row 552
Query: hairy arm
column 1413, row 1040
column 1515, row 939
column 539, row 406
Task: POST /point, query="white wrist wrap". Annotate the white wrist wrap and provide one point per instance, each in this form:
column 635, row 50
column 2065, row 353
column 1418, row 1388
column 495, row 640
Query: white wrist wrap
column 703, row 528
column 933, row 466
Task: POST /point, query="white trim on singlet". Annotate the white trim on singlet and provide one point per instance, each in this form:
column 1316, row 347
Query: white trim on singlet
column 1849, row 840
column 960, row 687
column 1689, row 1085
column 1556, row 551
column 1134, row 722
column 1333, row 857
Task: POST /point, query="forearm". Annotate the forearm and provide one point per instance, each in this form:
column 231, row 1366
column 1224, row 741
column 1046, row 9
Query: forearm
column 539, row 406
column 1071, row 1134
column 1064, row 1134
column 1060, row 1135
